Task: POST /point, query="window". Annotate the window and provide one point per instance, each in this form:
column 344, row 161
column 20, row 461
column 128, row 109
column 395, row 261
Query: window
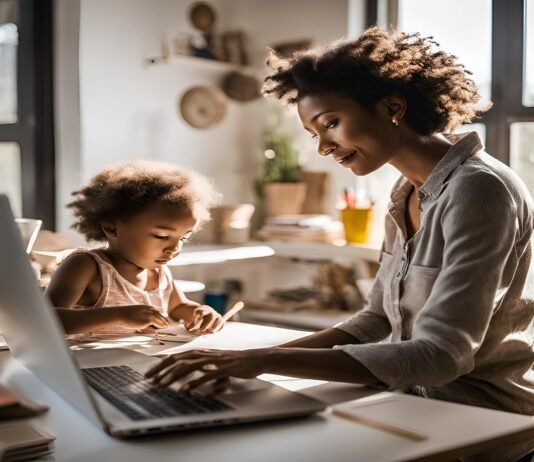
column 8, row 73
column 528, row 82
column 522, row 151
column 26, row 113
column 434, row 19
column 456, row 33
column 494, row 39
column 10, row 175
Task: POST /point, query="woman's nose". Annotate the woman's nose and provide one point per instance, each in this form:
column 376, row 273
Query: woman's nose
column 326, row 148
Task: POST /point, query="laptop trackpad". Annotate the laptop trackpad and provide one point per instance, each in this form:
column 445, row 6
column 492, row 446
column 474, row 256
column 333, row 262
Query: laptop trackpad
column 240, row 385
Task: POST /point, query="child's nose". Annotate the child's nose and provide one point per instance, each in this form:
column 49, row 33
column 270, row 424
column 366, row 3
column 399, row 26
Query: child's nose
column 173, row 249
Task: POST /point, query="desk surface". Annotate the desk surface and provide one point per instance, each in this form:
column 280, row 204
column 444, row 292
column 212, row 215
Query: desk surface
column 452, row 430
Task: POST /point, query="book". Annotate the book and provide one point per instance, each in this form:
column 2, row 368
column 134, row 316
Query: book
column 319, row 228
column 21, row 441
column 13, row 406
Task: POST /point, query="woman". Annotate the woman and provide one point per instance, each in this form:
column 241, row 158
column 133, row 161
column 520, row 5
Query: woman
column 449, row 301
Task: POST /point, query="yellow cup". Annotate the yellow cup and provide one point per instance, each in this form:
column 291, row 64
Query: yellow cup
column 357, row 224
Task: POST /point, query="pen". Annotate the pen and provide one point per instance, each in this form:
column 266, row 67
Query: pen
column 399, row 431
column 234, row 310
column 349, row 198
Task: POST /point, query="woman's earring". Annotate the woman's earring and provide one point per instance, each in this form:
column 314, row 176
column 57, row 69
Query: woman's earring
column 395, row 122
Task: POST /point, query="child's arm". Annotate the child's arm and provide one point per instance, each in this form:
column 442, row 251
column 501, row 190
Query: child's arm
column 198, row 319
column 77, row 281
column 131, row 316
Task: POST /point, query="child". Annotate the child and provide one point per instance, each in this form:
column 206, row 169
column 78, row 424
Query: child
column 145, row 211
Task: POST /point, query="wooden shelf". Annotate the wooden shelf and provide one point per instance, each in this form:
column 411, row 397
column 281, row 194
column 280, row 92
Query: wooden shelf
column 324, row 251
column 210, row 254
column 200, row 62
column 218, row 253
column 308, row 320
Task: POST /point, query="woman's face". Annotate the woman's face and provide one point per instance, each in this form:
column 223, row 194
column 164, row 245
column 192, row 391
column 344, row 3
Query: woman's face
column 356, row 138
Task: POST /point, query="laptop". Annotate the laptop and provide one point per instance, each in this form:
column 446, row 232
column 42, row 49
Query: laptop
column 107, row 386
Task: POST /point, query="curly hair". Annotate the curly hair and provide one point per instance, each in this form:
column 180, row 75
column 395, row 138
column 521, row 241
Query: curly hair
column 440, row 96
column 124, row 190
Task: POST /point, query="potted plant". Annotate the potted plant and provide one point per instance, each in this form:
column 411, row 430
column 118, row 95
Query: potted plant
column 278, row 183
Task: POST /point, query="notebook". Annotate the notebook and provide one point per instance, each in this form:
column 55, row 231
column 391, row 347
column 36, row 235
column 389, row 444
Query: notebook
column 21, row 441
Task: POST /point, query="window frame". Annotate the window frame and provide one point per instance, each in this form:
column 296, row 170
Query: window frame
column 34, row 129
column 507, row 53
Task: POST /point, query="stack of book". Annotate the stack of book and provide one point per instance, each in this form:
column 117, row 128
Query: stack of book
column 316, row 228
column 20, row 441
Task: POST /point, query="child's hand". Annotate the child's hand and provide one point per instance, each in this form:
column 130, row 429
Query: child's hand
column 200, row 319
column 140, row 317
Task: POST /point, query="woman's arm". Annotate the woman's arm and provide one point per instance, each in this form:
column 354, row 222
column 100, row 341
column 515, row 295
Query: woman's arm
column 317, row 363
column 326, row 338
column 312, row 363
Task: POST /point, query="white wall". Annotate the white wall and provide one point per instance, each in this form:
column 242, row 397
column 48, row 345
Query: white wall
column 114, row 108
column 129, row 111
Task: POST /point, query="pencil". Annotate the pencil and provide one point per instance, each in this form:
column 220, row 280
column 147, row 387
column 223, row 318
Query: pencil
column 234, row 310
column 379, row 425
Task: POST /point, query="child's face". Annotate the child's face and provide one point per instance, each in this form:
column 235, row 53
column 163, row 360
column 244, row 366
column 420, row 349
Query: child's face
column 154, row 236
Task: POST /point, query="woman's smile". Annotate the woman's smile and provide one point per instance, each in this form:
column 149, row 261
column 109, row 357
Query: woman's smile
column 346, row 159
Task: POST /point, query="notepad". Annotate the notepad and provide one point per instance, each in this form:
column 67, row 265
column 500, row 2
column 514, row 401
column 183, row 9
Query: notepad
column 21, row 441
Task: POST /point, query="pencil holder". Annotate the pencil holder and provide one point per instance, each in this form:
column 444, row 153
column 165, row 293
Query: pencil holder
column 357, row 224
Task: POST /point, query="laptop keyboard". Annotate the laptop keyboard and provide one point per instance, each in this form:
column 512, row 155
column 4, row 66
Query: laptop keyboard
column 129, row 391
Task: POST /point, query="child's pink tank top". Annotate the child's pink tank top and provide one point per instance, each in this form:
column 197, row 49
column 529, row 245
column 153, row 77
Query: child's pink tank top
column 118, row 291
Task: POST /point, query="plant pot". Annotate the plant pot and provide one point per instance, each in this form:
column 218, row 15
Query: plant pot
column 284, row 198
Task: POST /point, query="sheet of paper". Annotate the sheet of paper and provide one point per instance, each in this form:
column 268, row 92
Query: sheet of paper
column 173, row 333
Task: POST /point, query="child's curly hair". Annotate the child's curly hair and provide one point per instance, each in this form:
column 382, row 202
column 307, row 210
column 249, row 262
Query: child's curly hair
column 440, row 96
column 123, row 190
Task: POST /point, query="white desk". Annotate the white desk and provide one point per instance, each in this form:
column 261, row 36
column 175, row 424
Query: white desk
column 210, row 254
column 453, row 430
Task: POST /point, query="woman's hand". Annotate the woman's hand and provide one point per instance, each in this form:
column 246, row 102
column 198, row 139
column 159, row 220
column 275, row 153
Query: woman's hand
column 199, row 319
column 215, row 365
column 219, row 365
column 140, row 317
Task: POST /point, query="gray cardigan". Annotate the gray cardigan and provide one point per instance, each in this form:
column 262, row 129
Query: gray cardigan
column 449, row 315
